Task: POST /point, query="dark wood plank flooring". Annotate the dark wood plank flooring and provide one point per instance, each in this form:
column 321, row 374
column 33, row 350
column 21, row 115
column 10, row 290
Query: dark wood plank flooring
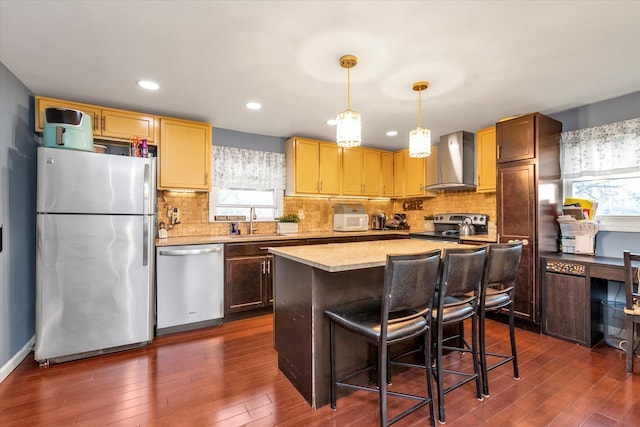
column 227, row 376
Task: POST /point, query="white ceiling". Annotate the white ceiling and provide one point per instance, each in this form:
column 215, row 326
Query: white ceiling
column 484, row 60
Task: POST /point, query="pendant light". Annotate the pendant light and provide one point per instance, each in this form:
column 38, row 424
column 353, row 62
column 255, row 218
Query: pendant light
column 348, row 133
column 420, row 138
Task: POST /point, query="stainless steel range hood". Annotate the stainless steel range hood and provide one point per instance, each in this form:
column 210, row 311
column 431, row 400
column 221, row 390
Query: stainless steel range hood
column 456, row 163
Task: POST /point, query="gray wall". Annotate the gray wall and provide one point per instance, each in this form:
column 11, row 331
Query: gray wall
column 250, row 141
column 17, row 214
column 608, row 243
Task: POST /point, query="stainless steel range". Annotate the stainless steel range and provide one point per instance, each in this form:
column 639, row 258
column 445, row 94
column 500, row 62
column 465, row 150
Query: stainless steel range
column 447, row 226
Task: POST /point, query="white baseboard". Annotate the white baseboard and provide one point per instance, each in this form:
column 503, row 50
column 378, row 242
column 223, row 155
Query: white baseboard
column 16, row 359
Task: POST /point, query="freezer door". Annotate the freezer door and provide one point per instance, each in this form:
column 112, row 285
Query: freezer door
column 94, row 283
column 72, row 181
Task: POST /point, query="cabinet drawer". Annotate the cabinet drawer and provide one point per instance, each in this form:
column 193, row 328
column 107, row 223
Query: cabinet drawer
column 566, row 268
column 609, row 273
column 256, row 248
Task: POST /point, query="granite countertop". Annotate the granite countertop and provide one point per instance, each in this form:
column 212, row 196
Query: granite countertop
column 202, row 240
column 487, row 238
column 352, row 256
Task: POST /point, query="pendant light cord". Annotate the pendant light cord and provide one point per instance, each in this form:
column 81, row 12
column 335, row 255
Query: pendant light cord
column 349, row 89
column 419, row 108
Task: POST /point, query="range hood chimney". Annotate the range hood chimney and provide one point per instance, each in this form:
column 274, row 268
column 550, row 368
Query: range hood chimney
column 456, row 163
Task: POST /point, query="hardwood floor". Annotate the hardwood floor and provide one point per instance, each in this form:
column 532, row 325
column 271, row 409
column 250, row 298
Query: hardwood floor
column 227, row 376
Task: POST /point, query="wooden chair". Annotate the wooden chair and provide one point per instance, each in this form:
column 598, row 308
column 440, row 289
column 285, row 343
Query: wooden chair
column 632, row 306
column 402, row 314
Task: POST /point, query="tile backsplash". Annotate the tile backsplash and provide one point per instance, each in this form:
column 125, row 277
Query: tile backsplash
column 318, row 212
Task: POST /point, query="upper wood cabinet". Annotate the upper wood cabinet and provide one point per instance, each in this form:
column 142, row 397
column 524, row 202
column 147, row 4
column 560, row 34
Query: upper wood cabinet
column 386, row 174
column 108, row 123
column 486, row 160
column 185, row 155
column 516, row 139
column 360, row 172
column 313, row 167
column 411, row 174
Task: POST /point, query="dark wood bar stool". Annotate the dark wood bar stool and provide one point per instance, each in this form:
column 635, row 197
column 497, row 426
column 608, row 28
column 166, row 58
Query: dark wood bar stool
column 632, row 306
column 457, row 301
column 402, row 314
column 497, row 293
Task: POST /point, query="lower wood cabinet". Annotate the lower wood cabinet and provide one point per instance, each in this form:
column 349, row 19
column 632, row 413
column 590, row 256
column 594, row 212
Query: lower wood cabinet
column 566, row 307
column 572, row 300
column 249, row 275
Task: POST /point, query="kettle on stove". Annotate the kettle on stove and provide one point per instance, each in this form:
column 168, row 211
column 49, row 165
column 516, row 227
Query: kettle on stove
column 465, row 228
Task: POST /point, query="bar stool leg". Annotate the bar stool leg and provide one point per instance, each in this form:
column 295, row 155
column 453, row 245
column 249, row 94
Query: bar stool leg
column 512, row 336
column 332, row 363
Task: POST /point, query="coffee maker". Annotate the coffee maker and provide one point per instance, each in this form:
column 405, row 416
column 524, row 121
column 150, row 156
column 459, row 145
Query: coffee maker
column 379, row 221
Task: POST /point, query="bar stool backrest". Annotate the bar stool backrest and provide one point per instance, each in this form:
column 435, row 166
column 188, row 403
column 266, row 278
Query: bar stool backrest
column 503, row 260
column 462, row 271
column 409, row 284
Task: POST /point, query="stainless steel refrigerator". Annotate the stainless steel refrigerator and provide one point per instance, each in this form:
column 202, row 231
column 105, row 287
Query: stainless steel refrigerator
column 96, row 216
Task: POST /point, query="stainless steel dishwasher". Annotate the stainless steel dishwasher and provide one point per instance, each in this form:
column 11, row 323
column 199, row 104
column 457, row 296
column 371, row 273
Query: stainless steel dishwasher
column 190, row 287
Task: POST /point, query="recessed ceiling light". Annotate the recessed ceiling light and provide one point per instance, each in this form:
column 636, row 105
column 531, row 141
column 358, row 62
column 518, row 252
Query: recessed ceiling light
column 332, row 122
column 149, row 85
column 253, row 105
column 392, row 133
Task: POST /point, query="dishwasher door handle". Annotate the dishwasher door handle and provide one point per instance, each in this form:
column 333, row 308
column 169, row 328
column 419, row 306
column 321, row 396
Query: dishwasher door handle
column 190, row 252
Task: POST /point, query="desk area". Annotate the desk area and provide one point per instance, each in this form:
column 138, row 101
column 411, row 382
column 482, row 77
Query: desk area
column 309, row 279
column 573, row 287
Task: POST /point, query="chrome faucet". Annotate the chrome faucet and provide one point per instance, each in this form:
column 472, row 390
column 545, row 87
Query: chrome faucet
column 252, row 217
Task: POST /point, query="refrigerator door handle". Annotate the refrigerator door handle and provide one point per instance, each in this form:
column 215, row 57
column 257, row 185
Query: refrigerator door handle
column 145, row 241
column 145, row 190
column 190, row 251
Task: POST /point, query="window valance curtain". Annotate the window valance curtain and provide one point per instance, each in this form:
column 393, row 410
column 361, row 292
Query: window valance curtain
column 601, row 150
column 241, row 168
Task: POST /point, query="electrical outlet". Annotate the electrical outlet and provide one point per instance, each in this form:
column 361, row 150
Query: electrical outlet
column 301, row 214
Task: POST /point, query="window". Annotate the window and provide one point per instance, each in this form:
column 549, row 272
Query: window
column 238, row 201
column 602, row 163
column 247, row 178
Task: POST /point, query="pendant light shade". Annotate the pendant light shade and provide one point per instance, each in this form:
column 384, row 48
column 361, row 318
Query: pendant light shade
column 420, row 138
column 348, row 123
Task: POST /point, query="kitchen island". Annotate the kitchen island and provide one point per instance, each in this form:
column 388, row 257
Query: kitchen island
column 309, row 279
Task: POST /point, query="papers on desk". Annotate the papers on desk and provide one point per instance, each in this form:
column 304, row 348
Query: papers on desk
column 578, row 236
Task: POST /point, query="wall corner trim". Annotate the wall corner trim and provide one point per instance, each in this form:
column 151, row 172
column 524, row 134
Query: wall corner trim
column 16, row 359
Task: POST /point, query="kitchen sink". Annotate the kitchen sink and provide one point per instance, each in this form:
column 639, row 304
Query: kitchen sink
column 257, row 235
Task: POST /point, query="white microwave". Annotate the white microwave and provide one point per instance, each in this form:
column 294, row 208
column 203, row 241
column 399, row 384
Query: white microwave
column 350, row 222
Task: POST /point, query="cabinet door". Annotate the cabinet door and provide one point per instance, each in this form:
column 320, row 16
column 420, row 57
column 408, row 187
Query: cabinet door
column 43, row 103
column 244, row 289
column 486, row 159
column 516, row 195
column 516, row 139
column 306, row 166
column 352, row 171
column 386, row 174
column 370, row 172
column 329, row 168
column 431, row 165
column 516, row 221
column 565, row 306
column 123, row 125
column 398, row 174
column 415, row 176
column 185, row 155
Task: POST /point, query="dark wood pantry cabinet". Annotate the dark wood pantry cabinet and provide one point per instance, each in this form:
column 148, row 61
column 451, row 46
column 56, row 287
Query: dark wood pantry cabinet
column 528, row 197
